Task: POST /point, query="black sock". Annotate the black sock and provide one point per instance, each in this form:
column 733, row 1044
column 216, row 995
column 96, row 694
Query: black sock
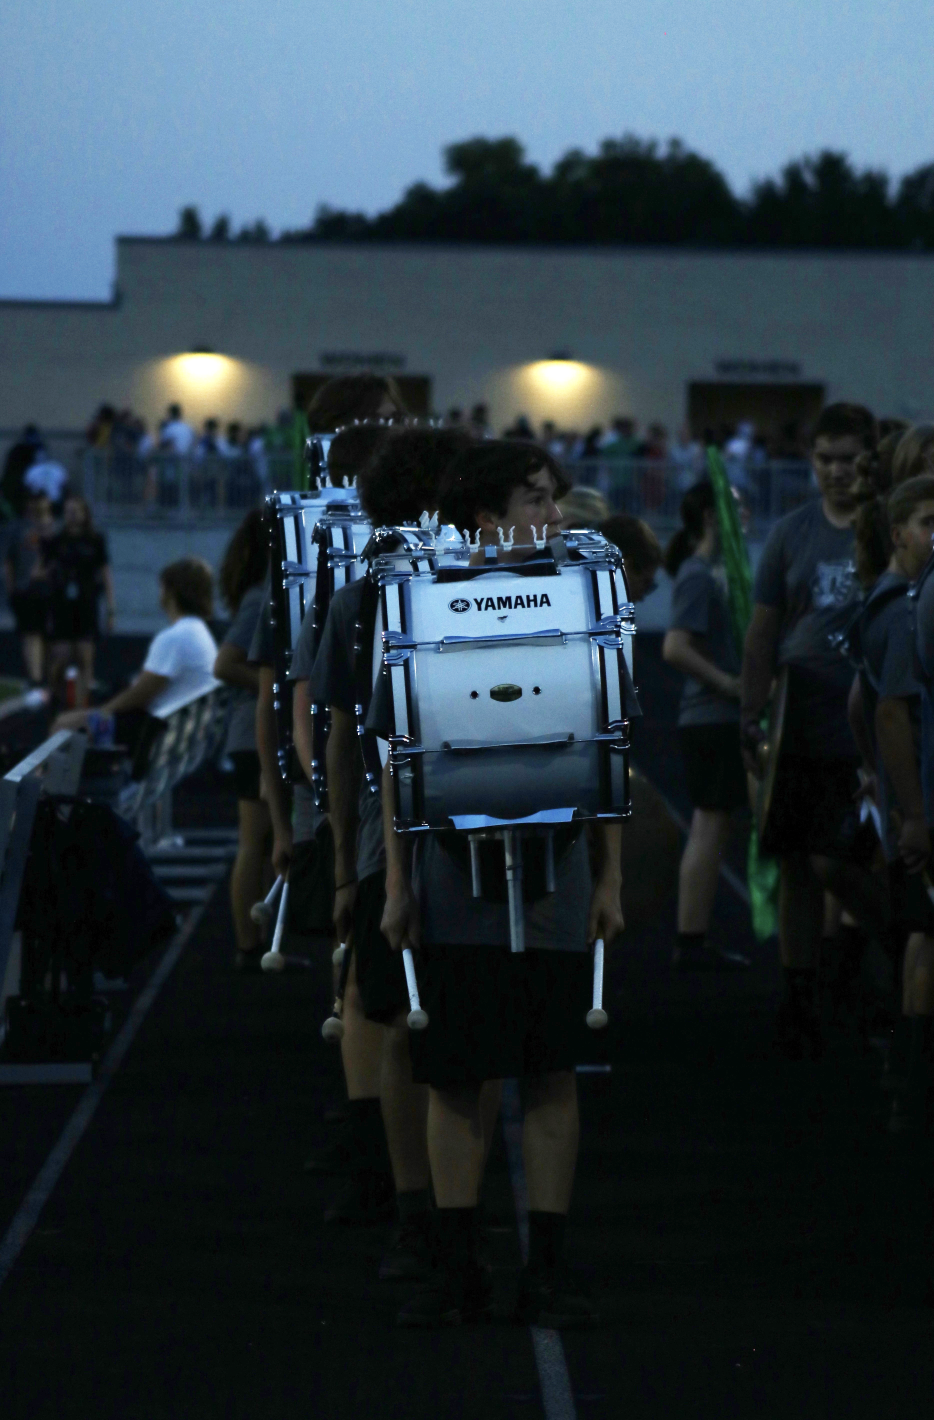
column 365, row 1122
column 800, row 984
column 852, row 943
column 456, row 1233
column 546, row 1239
column 413, row 1205
column 691, row 943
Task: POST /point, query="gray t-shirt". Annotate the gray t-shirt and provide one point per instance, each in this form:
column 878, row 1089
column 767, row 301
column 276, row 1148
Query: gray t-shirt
column 241, row 728
column 699, row 605
column 888, row 635
column 332, row 681
column 808, row 572
column 306, row 816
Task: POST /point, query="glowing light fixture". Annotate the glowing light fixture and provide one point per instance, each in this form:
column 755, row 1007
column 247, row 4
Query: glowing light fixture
column 202, row 368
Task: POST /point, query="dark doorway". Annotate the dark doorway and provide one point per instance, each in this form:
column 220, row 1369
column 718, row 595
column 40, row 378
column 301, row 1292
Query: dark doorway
column 782, row 413
column 415, row 391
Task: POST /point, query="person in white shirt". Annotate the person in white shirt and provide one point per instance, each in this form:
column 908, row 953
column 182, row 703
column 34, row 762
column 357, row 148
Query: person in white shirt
column 180, row 659
column 175, row 436
column 46, row 476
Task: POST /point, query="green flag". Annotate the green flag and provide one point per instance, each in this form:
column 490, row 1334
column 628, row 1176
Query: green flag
column 733, row 547
column 762, row 872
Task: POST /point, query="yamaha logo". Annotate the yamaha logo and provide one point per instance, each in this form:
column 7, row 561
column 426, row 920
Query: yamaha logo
column 459, row 604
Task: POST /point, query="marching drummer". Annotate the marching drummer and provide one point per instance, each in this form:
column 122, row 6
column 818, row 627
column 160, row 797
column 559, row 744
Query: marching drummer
column 396, row 487
column 493, row 1013
column 805, row 590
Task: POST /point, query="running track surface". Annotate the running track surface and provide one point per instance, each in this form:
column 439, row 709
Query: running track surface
column 757, row 1244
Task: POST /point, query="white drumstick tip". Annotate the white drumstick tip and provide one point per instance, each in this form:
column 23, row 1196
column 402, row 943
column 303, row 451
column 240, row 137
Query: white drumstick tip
column 272, row 961
column 261, row 912
column 333, row 1029
column 597, row 1018
column 418, row 1019
column 337, row 956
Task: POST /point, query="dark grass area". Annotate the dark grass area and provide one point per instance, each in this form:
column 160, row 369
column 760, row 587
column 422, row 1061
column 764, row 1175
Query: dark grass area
column 759, row 1246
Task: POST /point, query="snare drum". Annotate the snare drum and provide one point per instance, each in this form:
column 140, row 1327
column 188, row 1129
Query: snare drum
column 292, row 518
column 510, row 688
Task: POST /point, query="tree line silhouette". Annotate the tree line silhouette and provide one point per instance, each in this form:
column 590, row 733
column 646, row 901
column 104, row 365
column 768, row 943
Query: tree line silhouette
column 630, row 192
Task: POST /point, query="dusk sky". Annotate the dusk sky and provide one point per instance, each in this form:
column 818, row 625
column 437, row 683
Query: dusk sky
column 113, row 116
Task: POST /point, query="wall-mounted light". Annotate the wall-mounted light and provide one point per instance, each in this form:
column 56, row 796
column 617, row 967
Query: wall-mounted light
column 559, row 374
column 201, row 368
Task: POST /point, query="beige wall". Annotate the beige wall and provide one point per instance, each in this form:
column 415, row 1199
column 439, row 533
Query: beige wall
column 642, row 322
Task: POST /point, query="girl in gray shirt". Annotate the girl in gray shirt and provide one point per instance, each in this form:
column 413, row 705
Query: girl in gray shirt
column 701, row 644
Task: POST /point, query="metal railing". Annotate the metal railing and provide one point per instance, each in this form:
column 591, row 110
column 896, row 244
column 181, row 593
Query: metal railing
column 179, row 487
column 187, row 733
column 653, row 488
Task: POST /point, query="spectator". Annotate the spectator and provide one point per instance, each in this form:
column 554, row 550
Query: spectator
column 914, row 454
column 737, row 451
column 583, row 507
column 593, row 444
column 687, row 455
column 99, row 430
column 656, row 445
column 521, row 429
column 480, row 422
column 641, row 549
column 46, row 475
column 241, row 581
column 78, row 571
column 180, row 659
column 209, row 443
column 621, row 441
column 20, row 457
column 27, row 584
column 233, row 444
column 454, row 418
column 175, row 436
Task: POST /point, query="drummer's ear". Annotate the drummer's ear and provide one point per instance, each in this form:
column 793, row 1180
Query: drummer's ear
column 488, row 522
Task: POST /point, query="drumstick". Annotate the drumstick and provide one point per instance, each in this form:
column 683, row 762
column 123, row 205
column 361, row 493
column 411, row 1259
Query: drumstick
column 417, row 1018
column 597, row 1017
column 261, row 912
column 333, row 1027
column 274, row 960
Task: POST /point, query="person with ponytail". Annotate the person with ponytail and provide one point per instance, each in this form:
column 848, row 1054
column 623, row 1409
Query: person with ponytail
column 701, row 644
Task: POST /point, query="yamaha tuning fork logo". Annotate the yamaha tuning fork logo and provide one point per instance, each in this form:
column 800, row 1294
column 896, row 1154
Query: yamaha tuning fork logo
column 459, row 604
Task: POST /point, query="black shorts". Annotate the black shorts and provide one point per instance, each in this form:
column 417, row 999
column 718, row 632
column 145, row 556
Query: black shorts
column 380, row 973
column 713, row 766
column 311, row 885
column 31, row 611
column 246, row 773
column 73, row 620
column 494, row 1014
column 815, row 810
column 912, row 909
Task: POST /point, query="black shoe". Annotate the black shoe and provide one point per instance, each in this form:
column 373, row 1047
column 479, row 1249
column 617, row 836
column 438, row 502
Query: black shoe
column 551, row 1297
column 363, row 1199
column 452, row 1297
column 333, row 1157
column 408, row 1256
column 708, row 958
column 797, row 1031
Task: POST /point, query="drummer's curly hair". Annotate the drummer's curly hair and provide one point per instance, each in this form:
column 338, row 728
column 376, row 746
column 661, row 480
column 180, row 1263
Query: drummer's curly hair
column 349, row 397
column 401, row 480
column 485, row 476
column 353, row 448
